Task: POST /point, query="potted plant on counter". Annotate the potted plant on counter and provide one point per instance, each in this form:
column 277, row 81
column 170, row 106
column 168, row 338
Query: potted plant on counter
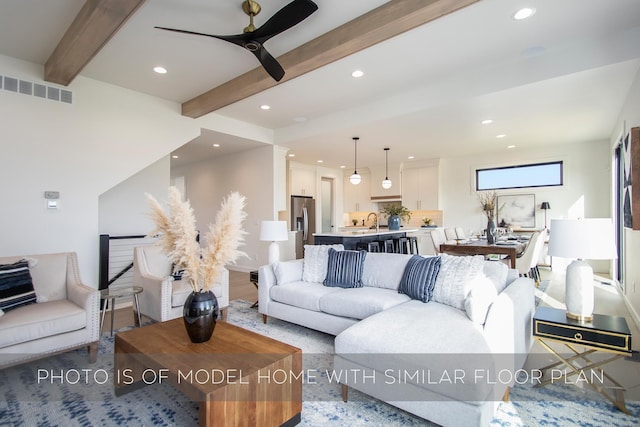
column 396, row 213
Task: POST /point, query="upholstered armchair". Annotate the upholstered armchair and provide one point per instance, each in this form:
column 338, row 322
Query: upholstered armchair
column 64, row 316
column 163, row 297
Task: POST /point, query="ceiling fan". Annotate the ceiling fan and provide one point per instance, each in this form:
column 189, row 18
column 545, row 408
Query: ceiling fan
column 253, row 38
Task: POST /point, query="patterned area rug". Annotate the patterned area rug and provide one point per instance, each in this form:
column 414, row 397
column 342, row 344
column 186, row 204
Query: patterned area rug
column 86, row 399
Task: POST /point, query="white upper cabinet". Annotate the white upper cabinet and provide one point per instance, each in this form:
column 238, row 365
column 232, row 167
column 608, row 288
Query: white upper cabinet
column 302, row 180
column 420, row 187
column 357, row 198
column 378, row 174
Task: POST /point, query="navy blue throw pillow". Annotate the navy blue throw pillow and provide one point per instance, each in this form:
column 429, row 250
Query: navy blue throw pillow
column 16, row 287
column 344, row 269
column 419, row 277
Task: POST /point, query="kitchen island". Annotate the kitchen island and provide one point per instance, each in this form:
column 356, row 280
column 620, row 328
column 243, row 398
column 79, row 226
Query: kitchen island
column 349, row 239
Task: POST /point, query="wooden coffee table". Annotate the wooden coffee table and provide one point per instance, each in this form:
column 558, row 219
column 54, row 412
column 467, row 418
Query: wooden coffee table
column 239, row 378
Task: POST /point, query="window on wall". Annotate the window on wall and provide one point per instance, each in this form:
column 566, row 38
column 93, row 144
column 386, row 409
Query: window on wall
column 520, row 176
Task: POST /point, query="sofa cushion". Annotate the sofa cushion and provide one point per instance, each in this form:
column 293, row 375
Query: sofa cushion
column 344, row 268
column 287, row 271
column 16, row 285
column 454, row 279
column 40, row 320
column 497, row 273
column 301, row 294
column 316, row 258
column 480, row 298
column 384, row 270
column 360, row 303
column 50, row 276
column 419, row 277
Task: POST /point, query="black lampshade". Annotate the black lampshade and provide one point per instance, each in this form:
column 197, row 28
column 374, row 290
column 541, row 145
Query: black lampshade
column 545, row 206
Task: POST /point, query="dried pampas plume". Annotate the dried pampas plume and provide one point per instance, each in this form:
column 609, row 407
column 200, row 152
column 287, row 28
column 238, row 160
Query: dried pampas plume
column 177, row 234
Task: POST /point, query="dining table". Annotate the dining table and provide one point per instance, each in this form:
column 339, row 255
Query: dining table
column 510, row 248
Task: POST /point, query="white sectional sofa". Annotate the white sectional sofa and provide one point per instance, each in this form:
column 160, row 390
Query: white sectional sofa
column 65, row 316
column 377, row 328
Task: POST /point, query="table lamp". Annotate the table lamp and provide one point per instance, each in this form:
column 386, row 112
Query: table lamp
column 274, row 231
column 589, row 238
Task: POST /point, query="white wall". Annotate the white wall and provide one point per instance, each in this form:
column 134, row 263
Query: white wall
column 629, row 118
column 81, row 149
column 250, row 173
column 124, row 210
column 586, row 191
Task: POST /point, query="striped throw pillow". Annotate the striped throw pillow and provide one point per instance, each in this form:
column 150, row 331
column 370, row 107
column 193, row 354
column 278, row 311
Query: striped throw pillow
column 344, row 269
column 419, row 277
column 16, row 286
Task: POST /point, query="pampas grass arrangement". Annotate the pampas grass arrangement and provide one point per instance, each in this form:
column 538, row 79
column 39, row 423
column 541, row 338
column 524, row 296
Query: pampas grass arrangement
column 177, row 237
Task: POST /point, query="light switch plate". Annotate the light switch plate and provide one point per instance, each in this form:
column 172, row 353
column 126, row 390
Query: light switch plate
column 52, row 195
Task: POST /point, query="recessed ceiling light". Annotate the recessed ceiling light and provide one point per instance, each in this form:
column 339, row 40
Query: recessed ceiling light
column 502, row 135
column 160, row 70
column 320, row 161
column 357, row 74
column 411, row 157
column 216, row 145
column 174, row 156
column 486, row 122
column 524, row 13
column 292, row 155
column 511, row 146
column 265, row 107
column 342, row 166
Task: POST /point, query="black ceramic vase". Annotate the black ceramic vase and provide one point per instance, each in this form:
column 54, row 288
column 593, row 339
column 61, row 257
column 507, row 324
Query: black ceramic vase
column 491, row 232
column 394, row 222
column 200, row 314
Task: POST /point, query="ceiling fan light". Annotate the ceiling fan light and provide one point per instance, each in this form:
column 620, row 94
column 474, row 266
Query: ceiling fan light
column 355, row 178
column 386, row 183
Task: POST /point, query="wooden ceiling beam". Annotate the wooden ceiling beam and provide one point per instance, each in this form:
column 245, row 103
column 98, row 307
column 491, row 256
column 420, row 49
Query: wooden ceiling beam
column 92, row 28
column 389, row 20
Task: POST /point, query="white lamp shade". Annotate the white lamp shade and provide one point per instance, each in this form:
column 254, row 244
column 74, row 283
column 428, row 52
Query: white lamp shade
column 386, row 183
column 355, row 178
column 589, row 238
column 273, row 231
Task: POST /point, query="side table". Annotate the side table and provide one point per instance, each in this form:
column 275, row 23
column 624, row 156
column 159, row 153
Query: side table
column 609, row 334
column 111, row 294
column 253, row 278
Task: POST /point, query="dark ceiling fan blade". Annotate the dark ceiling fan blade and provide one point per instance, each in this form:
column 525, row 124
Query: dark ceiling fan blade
column 238, row 39
column 287, row 17
column 269, row 63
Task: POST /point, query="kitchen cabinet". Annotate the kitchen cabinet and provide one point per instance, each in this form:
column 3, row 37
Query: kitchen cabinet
column 420, row 188
column 302, row 180
column 378, row 174
column 357, row 198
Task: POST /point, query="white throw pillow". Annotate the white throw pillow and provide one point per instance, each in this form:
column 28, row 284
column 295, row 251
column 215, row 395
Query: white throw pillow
column 455, row 278
column 480, row 298
column 316, row 258
column 497, row 273
column 287, row 272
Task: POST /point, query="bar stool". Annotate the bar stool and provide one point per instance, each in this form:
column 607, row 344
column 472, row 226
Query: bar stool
column 412, row 245
column 373, row 247
column 387, row 246
column 401, row 245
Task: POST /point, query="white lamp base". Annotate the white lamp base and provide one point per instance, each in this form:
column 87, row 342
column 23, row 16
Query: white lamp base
column 579, row 291
column 274, row 252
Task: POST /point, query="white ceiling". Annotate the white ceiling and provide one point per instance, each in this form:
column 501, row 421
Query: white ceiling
column 558, row 77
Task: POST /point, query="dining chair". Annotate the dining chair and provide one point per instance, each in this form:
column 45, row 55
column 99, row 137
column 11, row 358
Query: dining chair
column 450, row 233
column 460, row 234
column 528, row 259
column 437, row 238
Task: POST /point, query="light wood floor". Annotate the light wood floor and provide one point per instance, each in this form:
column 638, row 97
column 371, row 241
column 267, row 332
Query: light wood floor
column 239, row 288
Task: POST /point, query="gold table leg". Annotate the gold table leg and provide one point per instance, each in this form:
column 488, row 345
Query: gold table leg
column 617, row 398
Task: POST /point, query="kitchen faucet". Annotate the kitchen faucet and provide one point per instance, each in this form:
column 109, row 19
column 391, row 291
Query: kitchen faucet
column 375, row 219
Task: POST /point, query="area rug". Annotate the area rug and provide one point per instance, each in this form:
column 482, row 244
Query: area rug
column 74, row 403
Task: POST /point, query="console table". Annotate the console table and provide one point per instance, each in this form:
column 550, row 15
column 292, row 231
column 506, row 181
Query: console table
column 609, row 334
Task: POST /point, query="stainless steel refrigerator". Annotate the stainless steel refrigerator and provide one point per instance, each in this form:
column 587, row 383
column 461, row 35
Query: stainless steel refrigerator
column 303, row 220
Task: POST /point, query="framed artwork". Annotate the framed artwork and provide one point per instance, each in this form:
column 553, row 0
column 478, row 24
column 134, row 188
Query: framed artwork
column 517, row 210
column 631, row 147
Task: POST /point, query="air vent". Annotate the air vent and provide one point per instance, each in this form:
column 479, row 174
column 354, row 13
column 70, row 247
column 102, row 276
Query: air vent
column 38, row 90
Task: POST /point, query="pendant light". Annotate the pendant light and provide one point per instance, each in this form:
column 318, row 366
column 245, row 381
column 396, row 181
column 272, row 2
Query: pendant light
column 386, row 182
column 355, row 178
